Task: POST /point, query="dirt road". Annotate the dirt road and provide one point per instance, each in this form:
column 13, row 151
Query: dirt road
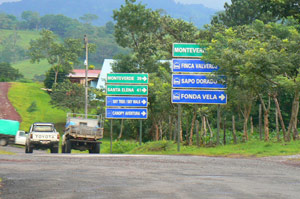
column 42, row 175
column 7, row 111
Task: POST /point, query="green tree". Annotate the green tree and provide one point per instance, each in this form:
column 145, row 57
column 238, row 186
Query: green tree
column 258, row 55
column 32, row 19
column 241, row 12
column 8, row 73
column 61, row 56
column 88, row 18
column 68, row 96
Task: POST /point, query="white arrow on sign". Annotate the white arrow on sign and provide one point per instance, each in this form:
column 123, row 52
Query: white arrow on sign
column 222, row 97
column 144, row 101
column 144, row 90
column 144, row 113
column 144, row 78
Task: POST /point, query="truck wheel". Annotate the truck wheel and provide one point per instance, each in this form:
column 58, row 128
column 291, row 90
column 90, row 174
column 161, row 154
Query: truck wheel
column 95, row 149
column 3, row 141
column 54, row 149
column 68, row 146
column 28, row 149
column 63, row 149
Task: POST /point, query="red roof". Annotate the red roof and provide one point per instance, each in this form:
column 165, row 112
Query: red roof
column 81, row 73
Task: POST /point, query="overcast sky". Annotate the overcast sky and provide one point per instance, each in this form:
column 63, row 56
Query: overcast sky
column 217, row 4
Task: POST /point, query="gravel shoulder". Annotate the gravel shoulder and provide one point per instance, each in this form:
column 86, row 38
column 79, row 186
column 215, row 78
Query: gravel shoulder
column 43, row 175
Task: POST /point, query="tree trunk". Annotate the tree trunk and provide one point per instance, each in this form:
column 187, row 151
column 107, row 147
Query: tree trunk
column 192, row 127
column 266, row 116
column 252, row 127
column 280, row 116
column 294, row 115
column 197, row 133
column 233, row 130
column 156, row 132
column 121, row 130
column 277, row 126
column 210, row 131
column 266, row 125
column 204, row 130
column 260, row 122
column 175, row 130
column 55, row 78
column 160, row 130
column 170, row 127
column 247, row 110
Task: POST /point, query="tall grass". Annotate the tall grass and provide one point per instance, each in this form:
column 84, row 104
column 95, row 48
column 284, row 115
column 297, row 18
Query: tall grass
column 29, row 70
column 22, row 95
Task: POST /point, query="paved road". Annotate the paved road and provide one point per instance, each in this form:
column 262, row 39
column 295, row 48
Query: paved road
column 42, row 175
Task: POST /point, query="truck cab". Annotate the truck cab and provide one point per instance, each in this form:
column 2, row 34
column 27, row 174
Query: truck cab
column 42, row 136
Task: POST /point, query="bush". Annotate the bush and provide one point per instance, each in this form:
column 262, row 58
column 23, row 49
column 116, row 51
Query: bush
column 32, row 107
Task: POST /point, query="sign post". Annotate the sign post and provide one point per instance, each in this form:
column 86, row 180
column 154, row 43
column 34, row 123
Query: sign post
column 196, row 85
column 127, row 97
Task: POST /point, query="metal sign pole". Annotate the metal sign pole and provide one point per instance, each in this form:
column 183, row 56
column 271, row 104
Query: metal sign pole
column 218, row 124
column 86, row 75
column 111, row 134
column 141, row 128
column 178, row 130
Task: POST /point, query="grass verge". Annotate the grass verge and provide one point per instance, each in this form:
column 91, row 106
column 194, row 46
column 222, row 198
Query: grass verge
column 253, row 148
column 22, row 95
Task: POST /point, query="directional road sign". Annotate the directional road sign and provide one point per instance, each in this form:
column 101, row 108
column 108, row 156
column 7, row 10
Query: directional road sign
column 199, row 96
column 125, row 101
column 197, row 81
column 126, row 113
column 193, row 66
column 127, row 78
column 127, row 89
column 187, row 50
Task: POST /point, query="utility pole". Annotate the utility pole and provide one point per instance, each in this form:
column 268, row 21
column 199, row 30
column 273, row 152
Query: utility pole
column 86, row 42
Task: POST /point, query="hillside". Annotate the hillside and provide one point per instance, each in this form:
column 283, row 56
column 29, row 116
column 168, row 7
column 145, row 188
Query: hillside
column 196, row 13
column 30, row 70
column 23, row 37
column 22, row 95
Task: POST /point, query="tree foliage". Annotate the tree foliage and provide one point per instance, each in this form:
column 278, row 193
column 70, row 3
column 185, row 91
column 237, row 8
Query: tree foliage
column 8, row 73
column 68, row 96
column 241, row 12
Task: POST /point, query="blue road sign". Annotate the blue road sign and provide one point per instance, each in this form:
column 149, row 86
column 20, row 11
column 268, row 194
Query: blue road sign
column 199, row 97
column 126, row 113
column 193, row 65
column 121, row 101
column 197, row 81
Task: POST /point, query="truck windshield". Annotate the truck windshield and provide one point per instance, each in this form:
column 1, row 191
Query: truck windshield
column 43, row 128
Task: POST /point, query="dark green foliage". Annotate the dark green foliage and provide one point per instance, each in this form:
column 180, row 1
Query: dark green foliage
column 8, row 21
column 11, row 51
column 50, row 76
column 32, row 107
column 8, row 73
column 241, row 12
column 68, row 96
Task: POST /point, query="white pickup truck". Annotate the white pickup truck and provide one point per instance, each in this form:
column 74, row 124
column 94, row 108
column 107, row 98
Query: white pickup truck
column 42, row 136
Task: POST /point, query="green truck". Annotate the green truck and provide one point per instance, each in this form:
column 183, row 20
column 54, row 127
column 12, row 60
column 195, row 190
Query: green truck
column 8, row 131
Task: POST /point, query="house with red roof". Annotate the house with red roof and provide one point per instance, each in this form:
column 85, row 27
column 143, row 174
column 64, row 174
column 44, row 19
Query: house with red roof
column 78, row 76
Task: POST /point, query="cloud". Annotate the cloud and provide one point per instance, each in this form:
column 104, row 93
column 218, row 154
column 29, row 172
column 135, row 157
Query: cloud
column 3, row 1
column 216, row 4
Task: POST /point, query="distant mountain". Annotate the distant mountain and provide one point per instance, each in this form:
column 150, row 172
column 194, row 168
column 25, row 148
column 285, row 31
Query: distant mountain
column 196, row 13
